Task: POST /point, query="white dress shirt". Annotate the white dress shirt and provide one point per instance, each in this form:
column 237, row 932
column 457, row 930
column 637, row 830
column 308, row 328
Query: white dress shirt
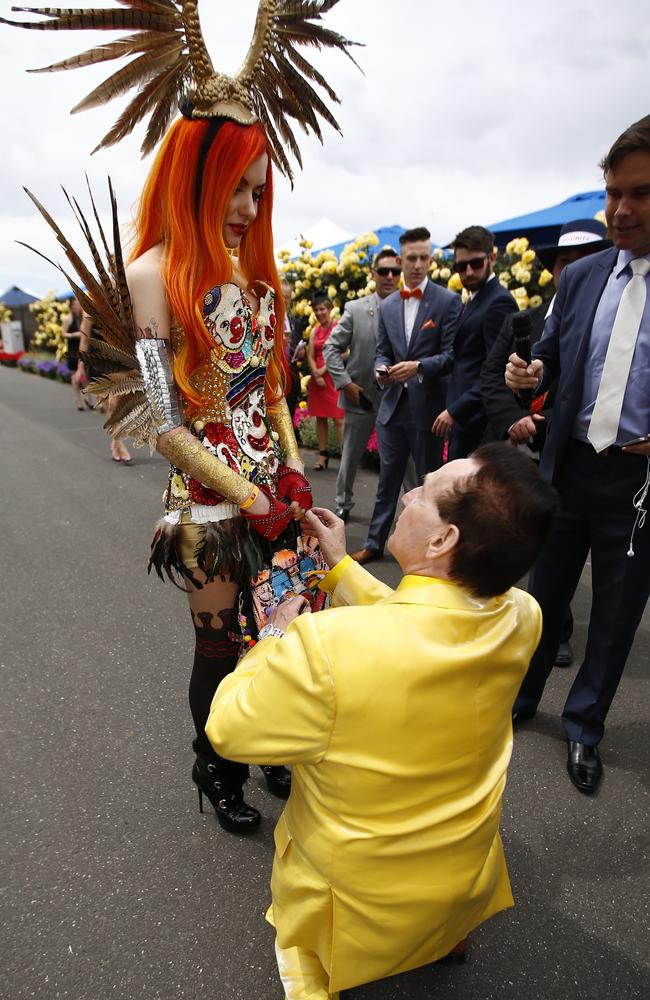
column 411, row 307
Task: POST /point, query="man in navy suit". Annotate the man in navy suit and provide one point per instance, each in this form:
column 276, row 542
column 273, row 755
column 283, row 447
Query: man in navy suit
column 602, row 396
column 415, row 338
column 464, row 420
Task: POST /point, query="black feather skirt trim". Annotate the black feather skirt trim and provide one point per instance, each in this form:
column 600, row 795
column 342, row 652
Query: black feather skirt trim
column 227, row 549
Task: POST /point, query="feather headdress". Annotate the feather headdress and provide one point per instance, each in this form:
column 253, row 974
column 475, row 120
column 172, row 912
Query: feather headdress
column 170, row 67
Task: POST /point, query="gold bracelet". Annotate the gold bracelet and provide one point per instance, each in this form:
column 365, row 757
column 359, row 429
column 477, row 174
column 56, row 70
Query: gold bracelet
column 251, row 500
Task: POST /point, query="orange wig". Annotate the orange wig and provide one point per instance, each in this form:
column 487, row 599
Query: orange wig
column 195, row 256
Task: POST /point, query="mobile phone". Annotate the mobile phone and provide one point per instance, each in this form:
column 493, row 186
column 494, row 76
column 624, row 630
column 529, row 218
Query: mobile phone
column 640, row 440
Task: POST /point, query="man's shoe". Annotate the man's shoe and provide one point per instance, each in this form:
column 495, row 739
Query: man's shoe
column 366, row 555
column 584, row 766
column 343, row 514
column 522, row 715
column 564, row 656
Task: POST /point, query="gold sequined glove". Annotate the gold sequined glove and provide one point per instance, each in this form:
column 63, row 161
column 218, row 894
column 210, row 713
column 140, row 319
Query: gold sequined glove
column 187, row 453
column 280, row 420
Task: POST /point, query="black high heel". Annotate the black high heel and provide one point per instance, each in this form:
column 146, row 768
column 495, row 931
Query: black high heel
column 233, row 814
column 278, row 780
column 324, row 457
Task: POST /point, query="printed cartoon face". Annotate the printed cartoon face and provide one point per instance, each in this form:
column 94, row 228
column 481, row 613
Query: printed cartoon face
column 249, row 425
column 266, row 321
column 227, row 315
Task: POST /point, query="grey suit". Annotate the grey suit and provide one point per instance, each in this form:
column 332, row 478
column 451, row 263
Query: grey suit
column 357, row 332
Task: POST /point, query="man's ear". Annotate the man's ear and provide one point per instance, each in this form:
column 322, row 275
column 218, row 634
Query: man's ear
column 443, row 542
column 398, row 259
column 493, row 255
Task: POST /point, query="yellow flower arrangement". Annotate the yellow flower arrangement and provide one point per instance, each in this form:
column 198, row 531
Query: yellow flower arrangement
column 49, row 314
column 544, row 278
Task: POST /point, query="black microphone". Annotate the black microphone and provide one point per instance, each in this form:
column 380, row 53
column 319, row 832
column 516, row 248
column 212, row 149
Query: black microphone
column 521, row 329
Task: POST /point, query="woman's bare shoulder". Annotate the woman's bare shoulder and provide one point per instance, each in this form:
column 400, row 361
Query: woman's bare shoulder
column 147, row 267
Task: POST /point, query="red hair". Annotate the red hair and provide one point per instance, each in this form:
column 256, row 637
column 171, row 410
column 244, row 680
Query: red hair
column 195, row 258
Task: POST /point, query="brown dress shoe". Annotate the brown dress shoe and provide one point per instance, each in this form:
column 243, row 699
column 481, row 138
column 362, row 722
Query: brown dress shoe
column 366, row 555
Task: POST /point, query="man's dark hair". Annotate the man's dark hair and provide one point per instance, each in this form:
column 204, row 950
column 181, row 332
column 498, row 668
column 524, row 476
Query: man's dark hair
column 474, row 238
column 504, row 514
column 635, row 138
column 384, row 252
column 414, row 235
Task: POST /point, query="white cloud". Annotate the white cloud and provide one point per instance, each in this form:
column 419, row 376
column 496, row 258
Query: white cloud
column 466, row 113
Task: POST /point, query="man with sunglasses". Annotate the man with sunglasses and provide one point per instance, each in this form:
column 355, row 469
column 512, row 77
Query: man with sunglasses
column 417, row 327
column 356, row 335
column 464, row 420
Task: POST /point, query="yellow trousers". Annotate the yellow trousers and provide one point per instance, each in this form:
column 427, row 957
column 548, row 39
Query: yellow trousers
column 302, row 975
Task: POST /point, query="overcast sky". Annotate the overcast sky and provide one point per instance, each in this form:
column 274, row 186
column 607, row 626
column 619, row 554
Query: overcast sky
column 466, row 112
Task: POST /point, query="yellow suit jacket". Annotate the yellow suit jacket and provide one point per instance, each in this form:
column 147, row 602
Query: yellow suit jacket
column 396, row 716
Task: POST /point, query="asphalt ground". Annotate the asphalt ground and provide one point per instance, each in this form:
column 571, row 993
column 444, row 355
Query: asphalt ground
column 113, row 883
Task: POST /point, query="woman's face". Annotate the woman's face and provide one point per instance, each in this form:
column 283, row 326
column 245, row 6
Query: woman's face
column 242, row 210
column 322, row 312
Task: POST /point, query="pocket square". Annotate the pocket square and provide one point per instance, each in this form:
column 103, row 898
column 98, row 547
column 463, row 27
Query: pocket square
column 429, row 325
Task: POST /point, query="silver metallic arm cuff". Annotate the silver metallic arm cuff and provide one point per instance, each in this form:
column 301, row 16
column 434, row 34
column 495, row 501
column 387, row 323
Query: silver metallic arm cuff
column 155, row 366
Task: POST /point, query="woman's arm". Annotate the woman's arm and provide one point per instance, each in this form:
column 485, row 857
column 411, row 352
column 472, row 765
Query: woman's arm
column 66, row 323
column 280, row 420
column 316, row 372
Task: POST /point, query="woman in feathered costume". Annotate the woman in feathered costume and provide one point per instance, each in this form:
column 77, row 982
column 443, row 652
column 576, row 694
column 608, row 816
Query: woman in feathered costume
column 193, row 346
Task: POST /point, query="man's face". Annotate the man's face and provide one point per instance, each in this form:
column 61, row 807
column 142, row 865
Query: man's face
column 564, row 258
column 285, row 288
column 415, row 260
column 474, row 267
column 386, row 276
column 420, row 520
column 627, row 203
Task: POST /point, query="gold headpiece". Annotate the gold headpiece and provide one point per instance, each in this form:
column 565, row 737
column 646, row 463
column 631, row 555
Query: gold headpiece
column 171, row 67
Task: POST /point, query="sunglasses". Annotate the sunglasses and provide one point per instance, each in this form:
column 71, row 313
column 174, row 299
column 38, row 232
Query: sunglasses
column 383, row 272
column 476, row 263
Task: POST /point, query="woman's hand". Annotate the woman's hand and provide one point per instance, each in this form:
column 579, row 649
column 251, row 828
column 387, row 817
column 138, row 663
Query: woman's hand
column 260, row 505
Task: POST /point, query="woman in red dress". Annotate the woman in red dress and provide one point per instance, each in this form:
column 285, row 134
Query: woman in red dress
column 323, row 397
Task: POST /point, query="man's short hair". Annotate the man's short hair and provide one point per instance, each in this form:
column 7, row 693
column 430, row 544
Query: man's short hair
column 504, row 514
column 474, row 238
column 384, row 252
column 414, row 235
column 636, row 138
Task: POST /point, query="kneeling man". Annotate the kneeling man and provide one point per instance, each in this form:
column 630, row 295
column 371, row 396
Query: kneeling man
column 394, row 708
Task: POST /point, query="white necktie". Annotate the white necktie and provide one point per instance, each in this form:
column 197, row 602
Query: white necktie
column 603, row 427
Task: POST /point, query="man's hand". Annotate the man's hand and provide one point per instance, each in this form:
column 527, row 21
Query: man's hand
column 403, row 370
column 330, row 532
column 639, row 449
column 353, row 393
column 526, row 428
column 382, row 375
column 520, row 376
column 443, row 424
column 288, row 609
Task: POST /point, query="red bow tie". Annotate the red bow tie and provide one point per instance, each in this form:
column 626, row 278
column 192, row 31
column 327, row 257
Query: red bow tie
column 407, row 293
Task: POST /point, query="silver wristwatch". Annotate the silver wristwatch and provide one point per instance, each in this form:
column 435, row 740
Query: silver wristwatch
column 270, row 630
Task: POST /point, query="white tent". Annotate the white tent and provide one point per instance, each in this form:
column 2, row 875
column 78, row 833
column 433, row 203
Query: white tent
column 323, row 233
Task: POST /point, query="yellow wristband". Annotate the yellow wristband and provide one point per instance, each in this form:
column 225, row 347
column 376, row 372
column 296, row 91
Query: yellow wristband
column 251, row 500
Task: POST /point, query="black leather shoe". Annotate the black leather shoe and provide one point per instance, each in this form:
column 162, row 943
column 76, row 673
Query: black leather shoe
column 564, row 655
column 584, row 766
column 278, row 780
column 343, row 514
column 522, row 715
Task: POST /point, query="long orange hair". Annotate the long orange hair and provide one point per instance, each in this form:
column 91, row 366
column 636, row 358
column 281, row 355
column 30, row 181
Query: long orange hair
column 195, row 258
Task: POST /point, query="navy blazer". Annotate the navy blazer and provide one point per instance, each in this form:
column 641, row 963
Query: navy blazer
column 478, row 329
column 431, row 343
column 563, row 347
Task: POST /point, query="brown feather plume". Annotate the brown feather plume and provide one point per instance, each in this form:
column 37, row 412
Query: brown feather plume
column 105, row 297
column 167, row 58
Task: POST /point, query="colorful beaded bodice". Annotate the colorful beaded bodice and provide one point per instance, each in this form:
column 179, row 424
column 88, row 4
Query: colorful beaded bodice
column 232, row 421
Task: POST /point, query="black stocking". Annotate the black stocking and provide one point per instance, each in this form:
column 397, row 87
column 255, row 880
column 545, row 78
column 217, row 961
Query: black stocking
column 215, row 656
